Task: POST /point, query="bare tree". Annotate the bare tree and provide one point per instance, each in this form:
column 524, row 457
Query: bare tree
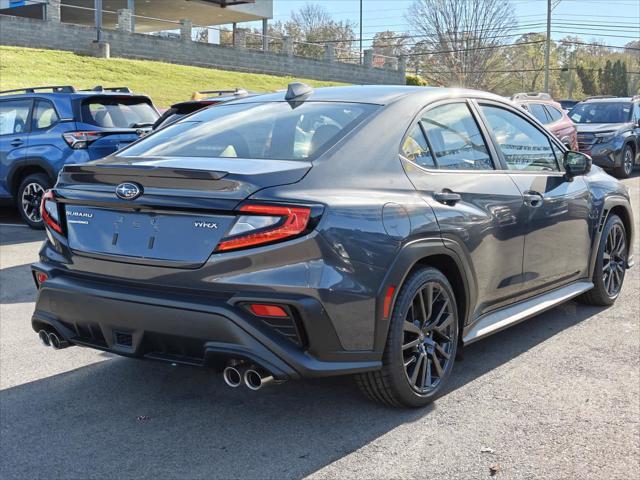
column 468, row 31
column 313, row 24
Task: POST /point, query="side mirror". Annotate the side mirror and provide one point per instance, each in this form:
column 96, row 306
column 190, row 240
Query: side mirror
column 576, row 163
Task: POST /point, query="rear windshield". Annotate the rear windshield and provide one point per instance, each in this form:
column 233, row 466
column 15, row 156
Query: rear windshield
column 120, row 112
column 601, row 112
column 273, row 130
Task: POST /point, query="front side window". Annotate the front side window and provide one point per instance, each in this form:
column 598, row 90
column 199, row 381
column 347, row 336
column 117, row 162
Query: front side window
column 13, row 116
column 415, row 148
column 44, row 115
column 118, row 112
column 524, row 146
column 270, row 130
column 601, row 112
column 455, row 138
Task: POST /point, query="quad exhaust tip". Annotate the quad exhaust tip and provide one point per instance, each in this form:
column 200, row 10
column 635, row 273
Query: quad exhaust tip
column 43, row 335
column 255, row 379
column 232, row 376
column 51, row 339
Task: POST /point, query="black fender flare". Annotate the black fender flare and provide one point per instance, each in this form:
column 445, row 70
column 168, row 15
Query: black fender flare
column 408, row 256
column 29, row 162
column 609, row 203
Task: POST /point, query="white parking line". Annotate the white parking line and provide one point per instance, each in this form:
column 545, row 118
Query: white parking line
column 13, row 225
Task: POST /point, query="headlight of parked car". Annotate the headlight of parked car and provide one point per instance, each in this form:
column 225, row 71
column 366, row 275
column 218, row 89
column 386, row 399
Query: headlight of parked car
column 604, row 137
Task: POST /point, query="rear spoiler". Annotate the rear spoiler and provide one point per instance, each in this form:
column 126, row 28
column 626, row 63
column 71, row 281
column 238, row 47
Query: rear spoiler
column 143, row 171
column 100, row 88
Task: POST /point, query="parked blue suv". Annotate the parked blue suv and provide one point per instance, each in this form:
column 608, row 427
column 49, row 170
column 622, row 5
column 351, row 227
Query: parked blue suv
column 44, row 128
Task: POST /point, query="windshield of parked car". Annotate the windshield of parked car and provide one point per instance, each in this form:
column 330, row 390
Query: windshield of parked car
column 118, row 112
column 271, row 130
column 601, row 112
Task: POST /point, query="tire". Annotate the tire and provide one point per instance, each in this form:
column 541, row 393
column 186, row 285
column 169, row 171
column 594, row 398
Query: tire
column 601, row 294
column 393, row 384
column 28, row 198
column 626, row 164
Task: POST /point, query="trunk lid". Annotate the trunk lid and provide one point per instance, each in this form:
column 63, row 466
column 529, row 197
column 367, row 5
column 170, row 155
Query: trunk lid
column 185, row 206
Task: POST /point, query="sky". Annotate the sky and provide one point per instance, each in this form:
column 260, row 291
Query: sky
column 614, row 22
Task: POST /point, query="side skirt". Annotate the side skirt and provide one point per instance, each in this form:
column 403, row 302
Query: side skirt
column 499, row 320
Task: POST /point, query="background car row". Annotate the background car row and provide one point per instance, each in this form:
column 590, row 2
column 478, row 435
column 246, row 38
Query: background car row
column 44, row 128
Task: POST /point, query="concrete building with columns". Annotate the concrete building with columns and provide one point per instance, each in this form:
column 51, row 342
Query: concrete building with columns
column 121, row 28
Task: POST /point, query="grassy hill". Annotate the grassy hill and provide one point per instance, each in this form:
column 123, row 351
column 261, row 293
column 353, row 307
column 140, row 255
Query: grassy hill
column 165, row 83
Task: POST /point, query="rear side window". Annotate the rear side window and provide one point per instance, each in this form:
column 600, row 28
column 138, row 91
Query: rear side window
column 13, row 116
column 415, row 148
column 455, row 138
column 539, row 112
column 118, row 112
column 272, row 130
column 554, row 113
column 44, row 115
column 524, row 146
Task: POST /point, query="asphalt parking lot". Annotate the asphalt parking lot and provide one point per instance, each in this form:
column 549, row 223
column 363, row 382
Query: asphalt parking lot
column 555, row 397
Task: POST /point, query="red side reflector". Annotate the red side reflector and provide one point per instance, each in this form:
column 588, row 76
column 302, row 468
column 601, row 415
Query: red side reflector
column 262, row 310
column 388, row 297
column 42, row 277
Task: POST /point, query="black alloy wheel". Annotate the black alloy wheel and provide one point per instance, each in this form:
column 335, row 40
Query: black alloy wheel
column 614, row 260
column 610, row 266
column 421, row 343
column 428, row 338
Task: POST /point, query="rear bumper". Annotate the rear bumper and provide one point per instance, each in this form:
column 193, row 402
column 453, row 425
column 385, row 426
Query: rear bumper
column 191, row 328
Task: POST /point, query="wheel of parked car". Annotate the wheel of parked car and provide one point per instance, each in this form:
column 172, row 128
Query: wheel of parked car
column 29, row 197
column 626, row 167
column 421, row 345
column 611, row 264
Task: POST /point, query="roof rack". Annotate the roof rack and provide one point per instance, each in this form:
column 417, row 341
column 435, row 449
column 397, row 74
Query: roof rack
column 241, row 92
column 53, row 88
column 100, row 88
column 536, row 95
column 595, row 97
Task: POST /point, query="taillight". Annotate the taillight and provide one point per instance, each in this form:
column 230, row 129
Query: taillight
column 80, row 140
column 264, row 224
column 49, row 211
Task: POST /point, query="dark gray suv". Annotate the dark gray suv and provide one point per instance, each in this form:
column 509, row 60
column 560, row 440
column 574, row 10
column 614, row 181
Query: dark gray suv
column 609, row 131
column 350, row 230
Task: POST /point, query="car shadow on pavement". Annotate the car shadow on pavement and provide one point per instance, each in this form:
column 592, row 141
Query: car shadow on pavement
column 17, row 285
column 126, row 418
column 13, row 235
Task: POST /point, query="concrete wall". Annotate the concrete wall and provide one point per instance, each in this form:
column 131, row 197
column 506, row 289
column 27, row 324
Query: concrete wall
column 26, row 32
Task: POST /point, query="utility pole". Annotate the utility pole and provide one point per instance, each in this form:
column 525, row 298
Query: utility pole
column 571, row 55
column 360, row 31
column 547, row 51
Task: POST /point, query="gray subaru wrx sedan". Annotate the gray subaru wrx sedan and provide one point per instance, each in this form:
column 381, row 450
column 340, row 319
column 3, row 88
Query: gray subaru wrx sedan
column 371, row 230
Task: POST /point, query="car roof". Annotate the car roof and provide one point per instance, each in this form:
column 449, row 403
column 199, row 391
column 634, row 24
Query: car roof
column 375, row 94
column 610, row 99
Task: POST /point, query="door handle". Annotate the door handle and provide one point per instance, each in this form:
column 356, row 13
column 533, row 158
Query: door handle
column 447, row 197
column 16, row 143
column 533, row 199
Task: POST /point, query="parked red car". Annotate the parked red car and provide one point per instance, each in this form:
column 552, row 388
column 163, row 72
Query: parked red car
column 551, row 115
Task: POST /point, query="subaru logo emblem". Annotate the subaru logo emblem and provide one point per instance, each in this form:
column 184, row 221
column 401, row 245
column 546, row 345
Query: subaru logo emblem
column 128, row 191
